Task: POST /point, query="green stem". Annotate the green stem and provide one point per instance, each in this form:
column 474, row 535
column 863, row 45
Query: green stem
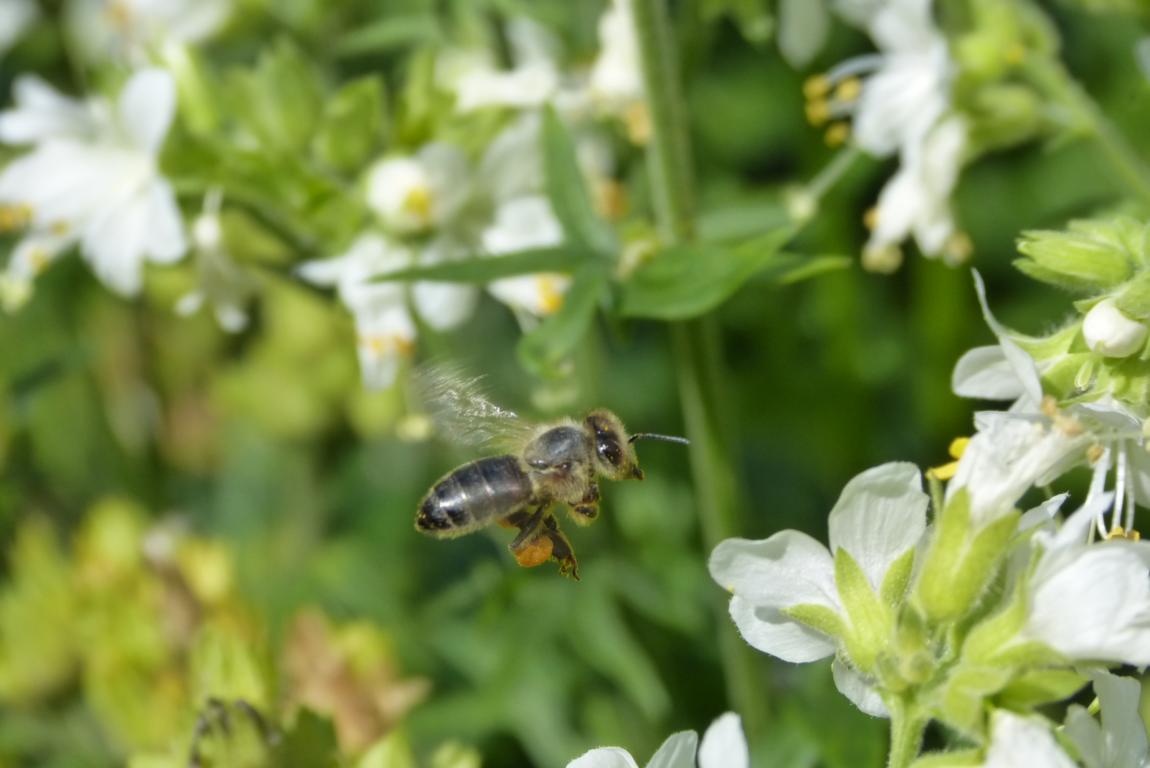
column 1121, row 156
column 696, row 343
column 906, row 730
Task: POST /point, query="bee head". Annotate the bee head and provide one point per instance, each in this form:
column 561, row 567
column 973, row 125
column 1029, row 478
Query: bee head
column 614, row 455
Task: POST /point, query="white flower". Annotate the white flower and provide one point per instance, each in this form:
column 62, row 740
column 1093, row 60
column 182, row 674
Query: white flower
column 1120, row 740
column 134, row 28
column 221, row 282
column 878, row 520
column 724, row 746
column 1023, row 742
column 384, row 327
column 521, row 224
column 1088, row 602
column 415, row 194
column 43, row 113
column 1110, row 333
column 107, row 191
column 15, row 18
column 916, row 200
column 532, row 81
column 616, row 80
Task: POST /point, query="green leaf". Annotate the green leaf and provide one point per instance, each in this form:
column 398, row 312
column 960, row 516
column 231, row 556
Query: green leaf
column 1040, row 686
column 388, row 34
column 352, row 125
column 544, row 348
column 484, row 269
column 568, row 191
column 279, row 101
column 689, row 280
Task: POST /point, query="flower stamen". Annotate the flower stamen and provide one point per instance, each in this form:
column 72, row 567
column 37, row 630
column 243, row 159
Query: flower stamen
column 956, row 448
column 15, row 217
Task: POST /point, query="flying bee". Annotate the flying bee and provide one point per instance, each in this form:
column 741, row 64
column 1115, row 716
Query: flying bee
column 541, row 466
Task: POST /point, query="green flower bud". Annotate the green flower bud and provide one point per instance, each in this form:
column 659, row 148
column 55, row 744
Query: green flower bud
column 1074, row 260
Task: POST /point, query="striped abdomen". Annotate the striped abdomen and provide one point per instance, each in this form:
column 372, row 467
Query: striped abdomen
column 473, row 496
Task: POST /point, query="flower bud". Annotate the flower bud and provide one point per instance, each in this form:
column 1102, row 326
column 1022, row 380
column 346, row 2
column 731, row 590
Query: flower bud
column 1082, row 261
column 1110, row 333
column 399, row 191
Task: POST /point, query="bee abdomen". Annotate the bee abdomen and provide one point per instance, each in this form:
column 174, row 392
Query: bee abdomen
column 472, row 496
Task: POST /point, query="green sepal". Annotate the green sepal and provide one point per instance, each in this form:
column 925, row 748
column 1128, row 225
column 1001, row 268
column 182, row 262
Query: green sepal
column 961, row 702
column 870, row 620
column 894, row 584
column 567, row 190
column 689, row 280
column 1040, row 686
column 932, row 590
column 1076, row 261
column 544, row 348
column 484, row 269
column 1133, row 300
column 959, row 758
column 279, row 101
column 352, row 124
column 817, row 617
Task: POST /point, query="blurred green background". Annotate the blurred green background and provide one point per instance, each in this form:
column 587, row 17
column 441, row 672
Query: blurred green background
column 183, row 512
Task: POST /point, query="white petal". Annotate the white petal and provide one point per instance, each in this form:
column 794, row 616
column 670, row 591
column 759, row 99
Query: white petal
column 789, row 568
column 512, row 164
column 15, row 17
column 1023, row 742
column 42, row 113
column 1092, row 603
column 523, row 223
column 1022, row 363
column 724, row 745
column 855, row 687
column 604, row 757
column 166, row 242
column 767, row 629
column 1043, row 514
column 114, row 245
column 444, row 305
column 678, row 751
column 1126, row 739
column 1085, row 734
column 147, row 106
column 880, row 514
column 985, row 373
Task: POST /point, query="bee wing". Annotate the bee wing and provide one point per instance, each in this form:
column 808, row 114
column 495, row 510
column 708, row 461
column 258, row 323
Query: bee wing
column 462, row 412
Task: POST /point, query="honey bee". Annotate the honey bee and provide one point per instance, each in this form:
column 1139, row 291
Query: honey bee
column 541, row 465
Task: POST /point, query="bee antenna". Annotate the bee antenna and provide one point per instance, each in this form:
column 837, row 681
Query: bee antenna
column 664, row 438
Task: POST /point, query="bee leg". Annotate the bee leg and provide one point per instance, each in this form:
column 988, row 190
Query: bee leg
column 584, row 511
column 561, row 551
column 530, row 547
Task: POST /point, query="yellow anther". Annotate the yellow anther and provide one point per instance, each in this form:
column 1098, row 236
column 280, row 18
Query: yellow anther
column 1094, row 453
column 958, row 447
column 848, row 90
column 837, row 134
column 119, row 14
column 818, row 112
column 637, row 121
column 40, row 260
column 14, row 217
column 883, row 260
column 610, row 199
column 418, row 202
column 60, row 228
column 382, row 344
column 958, row 248
column 1067, row 425
column 816, row 87
column 1049, row 406
column 550, row 297
column 870, row 218
column 1118, row 532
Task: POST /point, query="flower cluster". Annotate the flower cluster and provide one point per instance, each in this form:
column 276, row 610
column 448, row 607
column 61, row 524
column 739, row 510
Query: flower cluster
column 945, row 616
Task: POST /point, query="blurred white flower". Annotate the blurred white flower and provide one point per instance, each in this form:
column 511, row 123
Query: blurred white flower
column 16, row 16
column 42, row 113
column 897, row 101
column 521, row 224
column 414, row 194
column 385, row 329
column 1119, row 741
column 533, row 79
column 783, row 585
column 1110, row 333
column 220, row 281
column 133, row 29
column 724, row 746
column 105, row 190
column 616, row 81
column 1023, row 742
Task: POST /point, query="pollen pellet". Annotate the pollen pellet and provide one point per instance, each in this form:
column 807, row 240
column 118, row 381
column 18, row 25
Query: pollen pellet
column 535, row 552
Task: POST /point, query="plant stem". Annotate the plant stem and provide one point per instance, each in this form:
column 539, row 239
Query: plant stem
column 1122, row 157
column 906, row 730
column 695, row 343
